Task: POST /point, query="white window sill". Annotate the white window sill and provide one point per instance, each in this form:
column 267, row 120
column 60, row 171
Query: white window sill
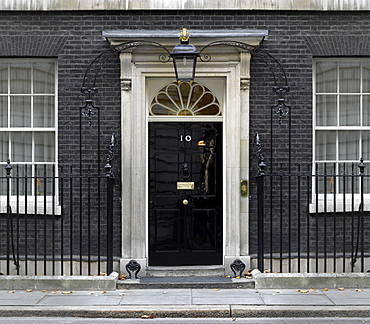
column 340, row 207
column 20, row 207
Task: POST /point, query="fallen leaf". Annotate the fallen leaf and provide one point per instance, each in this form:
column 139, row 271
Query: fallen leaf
column 103, row 273
column 147, row 316
column 341, row 289
column 325, row 289
column 29, row 290
column 267, row 271
column 104, row 292
column 312, row 289
column 122, row 277
column 234, row 319
column 278, row 291
column 11, row 291
column 44, row 291
column 216, row 289
column 302, row 291
column 67, row 292
column 359, row 290
column 237, row 277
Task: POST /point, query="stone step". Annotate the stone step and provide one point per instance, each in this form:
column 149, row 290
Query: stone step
column 186, row 271
column 189, row 282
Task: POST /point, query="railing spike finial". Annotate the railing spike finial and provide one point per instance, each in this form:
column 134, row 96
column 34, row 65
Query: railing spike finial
column 362, row 166
column 8, row 169
column 108, row 165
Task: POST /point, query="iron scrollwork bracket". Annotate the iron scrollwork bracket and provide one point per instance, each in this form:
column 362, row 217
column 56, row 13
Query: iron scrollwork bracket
column 238, row 266
column 281, row 87
column 89, row 106
column 133, row 268
column 89, row 81
column 281, row 106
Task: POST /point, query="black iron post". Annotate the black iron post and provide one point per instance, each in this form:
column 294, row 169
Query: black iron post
column 110, row 182
column 8, row 169
column 362, row 167
column 260, row 204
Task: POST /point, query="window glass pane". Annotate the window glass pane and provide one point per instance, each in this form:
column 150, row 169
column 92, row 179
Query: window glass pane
column 348, row 145
column 43, row 112
column 366, row 77
column 349, row 77
column 3, row 78
column 20, row 78
column 349, row 110
column 4, row 146
column 326, row 77
column 44, row 147
column 326, row 110
column 3, row 111
column 44, row 78
column 21, row 147
column 20, row 111
column 325, row 145
column 365, row 145
column 366, row 110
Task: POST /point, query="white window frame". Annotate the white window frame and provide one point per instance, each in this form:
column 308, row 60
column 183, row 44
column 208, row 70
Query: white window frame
column 18, row 204
column 342, row 202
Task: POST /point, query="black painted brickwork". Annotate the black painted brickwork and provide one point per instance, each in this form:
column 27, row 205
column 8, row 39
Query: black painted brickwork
column 294, row 38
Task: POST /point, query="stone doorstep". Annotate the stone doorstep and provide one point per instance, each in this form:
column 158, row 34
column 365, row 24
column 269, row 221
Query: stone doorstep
column 307, row 280
column 14, row 282
column 186, row 282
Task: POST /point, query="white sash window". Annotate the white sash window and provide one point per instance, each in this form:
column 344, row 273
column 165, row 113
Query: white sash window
column 28, row 121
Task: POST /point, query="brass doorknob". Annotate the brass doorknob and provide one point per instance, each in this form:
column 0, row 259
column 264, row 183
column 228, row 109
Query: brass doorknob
column 185, row 202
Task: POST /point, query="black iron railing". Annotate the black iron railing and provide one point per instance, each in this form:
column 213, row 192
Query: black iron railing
column 56, row 222
column 320, row 224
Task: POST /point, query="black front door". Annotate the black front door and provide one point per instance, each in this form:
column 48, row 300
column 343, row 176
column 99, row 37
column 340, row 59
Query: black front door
column 185, row 193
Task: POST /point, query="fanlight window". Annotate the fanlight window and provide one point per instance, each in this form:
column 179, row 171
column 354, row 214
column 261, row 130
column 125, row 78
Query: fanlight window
column 185, row 99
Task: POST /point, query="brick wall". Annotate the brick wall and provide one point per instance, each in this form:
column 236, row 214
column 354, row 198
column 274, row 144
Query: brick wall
column 75, row 38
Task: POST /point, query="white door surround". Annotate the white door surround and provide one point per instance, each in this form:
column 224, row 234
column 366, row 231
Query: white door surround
column 137, row 67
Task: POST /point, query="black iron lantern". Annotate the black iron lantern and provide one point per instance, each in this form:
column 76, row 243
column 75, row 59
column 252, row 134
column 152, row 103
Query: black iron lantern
column 184, row 58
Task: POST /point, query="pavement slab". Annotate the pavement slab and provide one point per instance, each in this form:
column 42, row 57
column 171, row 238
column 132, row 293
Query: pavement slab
column 20, row 297
column 156, row 297
column 349, row 296
column 222, row 296
column 63, row 300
